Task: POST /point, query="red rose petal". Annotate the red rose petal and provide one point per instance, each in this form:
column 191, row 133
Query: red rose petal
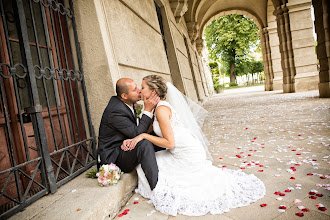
column 305, row 210
column 220, row 158
column 263, row 205
column 309, row 174
column 242, row 168
column 120, row 215
column 282, row 194
column 249, row 155
column 136, row 202
column 260, row 170
column 293, row 150
column 277, row 193
column 238, row 156
column 322, row 209
column 292, row 178
column 322, row 177
column 319, row 195
column 300, row 214
column 312, row 197
column 287, row 191
column 282, row 207
column 311, row 193
column 224, row 166
column 261, row 165
column 298, row 154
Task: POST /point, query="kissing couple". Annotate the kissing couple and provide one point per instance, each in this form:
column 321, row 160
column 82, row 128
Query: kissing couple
column 169, row 151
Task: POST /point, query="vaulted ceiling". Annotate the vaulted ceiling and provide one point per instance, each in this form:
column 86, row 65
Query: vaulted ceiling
column 198, row 13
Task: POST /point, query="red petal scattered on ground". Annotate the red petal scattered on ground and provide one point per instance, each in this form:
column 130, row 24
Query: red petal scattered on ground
column 319, row 195
column 287, row 191
column 120, row 215
column 249, row 155
column 263, row 205
column 300, row 214
column 242, row 168
column 277, row 193
column 298, row 154
column 309, row 174
column 322, row 209
column 292, row 178
column 282, row 194
column 312, row 197
column 282, row 207
column 305, row 210
column 224, row 166
column 322, row 177
column 136, row 202
column 293, row 150
column 260, row 170
column 311, row 193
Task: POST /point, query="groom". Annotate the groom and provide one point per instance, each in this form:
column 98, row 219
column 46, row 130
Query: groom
column 119, row 123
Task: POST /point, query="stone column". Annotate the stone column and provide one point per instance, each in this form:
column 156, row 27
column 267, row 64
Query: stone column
column 303, row 45
column 322, row 22
column 267, row 59
column 287, row 57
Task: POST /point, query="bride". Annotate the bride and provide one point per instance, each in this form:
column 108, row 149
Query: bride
column 188, row 183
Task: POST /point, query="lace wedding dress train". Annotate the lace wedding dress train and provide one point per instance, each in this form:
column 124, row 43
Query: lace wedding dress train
column 189, row 184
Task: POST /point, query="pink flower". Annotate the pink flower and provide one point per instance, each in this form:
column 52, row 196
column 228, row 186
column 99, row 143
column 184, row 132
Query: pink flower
column 100, row 179
column 113, row 167
column 105, row 183
column 106, row 174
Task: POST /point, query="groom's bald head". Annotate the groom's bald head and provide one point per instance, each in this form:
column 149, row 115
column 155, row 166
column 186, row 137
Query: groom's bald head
column 122, row 86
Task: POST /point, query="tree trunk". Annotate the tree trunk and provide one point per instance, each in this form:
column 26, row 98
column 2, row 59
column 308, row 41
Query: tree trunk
column 232, row 74
column 252, row 79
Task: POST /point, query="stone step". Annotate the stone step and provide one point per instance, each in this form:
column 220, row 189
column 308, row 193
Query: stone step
column 82, row 198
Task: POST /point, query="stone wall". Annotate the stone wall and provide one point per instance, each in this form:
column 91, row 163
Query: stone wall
column 122, row 38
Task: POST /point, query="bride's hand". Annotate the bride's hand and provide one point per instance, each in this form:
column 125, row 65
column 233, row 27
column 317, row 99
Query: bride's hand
column 126, row 144
column 135, row 140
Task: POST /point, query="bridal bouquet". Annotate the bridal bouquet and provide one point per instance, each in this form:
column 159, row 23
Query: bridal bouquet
column 109, row 174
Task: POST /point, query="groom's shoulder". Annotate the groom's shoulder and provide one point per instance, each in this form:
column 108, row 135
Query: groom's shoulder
column 114, row 103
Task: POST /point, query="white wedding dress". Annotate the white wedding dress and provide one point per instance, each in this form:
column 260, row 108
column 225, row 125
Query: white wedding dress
column 189, row 184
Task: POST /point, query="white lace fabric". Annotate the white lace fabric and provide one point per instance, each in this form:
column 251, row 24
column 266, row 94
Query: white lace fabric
column 188, row 184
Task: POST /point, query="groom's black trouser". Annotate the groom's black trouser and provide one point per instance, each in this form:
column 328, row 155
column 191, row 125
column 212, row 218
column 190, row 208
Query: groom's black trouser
column 144, row 154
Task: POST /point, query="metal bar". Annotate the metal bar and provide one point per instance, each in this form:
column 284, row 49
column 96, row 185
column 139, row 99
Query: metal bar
column 12, row 211
column 60, row 71
column 20, row 165
column 52, row 67
column 40, row 128
column 68, row 74
column 10, row 139
column 74, row 68
column 78, row 50
column 6, row 183
column 61, row 75
column 42, row 72
column 59, row 165
column 6, row 33
column 72, row 145
column 32, row 180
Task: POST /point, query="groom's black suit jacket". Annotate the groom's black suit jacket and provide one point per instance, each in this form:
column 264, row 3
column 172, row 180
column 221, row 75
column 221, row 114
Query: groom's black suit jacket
column 117, row 124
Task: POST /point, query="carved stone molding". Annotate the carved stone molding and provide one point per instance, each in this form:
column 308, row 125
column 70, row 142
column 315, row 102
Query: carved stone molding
column 179, row 8
column 192, row 31
column 199, row 46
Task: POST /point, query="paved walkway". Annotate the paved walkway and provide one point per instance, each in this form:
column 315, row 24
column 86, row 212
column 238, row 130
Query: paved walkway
column 287, row 135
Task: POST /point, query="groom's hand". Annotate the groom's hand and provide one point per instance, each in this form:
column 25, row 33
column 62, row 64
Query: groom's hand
column 151, row 102
column 125, row 145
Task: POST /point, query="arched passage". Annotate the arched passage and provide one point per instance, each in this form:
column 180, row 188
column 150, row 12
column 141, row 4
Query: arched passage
column 288, row 48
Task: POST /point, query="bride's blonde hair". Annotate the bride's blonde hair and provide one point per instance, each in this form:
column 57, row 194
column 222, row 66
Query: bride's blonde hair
column 158, row 83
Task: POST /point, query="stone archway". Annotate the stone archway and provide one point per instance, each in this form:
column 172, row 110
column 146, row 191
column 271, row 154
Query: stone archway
column 293, row 56
column 200, row 13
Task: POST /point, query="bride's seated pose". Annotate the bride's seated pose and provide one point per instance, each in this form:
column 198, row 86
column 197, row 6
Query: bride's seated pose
column 188, row 183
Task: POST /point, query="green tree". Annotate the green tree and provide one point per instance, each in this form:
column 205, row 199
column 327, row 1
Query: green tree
column 230, row 39
column 215, row 73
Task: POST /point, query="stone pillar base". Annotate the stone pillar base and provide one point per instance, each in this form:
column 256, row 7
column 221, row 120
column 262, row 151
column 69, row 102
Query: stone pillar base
column 268, row 87
column 307, row 82
column 278, row 83
column 324, row 89
column 287, row 88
